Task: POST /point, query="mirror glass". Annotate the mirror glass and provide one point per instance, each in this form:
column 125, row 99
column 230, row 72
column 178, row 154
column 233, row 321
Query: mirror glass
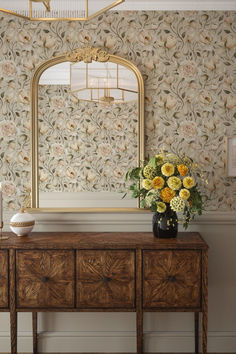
column 85, row 147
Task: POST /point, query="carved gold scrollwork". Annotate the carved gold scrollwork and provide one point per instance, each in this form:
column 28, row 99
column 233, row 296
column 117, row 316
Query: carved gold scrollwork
column 88, row 54
column 27, row 199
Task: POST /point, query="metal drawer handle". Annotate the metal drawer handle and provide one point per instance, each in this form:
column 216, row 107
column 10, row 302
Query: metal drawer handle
column 45, row 279
column 106, row 279
column 172, row 279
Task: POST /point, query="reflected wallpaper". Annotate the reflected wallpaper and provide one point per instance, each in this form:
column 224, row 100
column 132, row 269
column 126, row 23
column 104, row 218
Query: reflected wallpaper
column 187, row 60
column 84, row 146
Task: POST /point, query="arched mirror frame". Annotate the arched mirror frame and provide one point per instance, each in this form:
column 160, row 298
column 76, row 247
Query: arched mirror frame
column 87, row 55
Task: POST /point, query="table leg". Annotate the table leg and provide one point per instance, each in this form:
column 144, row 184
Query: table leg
column 13, row 313
column 196, row 330
column 13, row 320
column 139, row 319
column 139, row 308
column 35, row 332
column 204, row 301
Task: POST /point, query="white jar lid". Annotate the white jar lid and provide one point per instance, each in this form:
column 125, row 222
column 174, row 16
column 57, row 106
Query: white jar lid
column 22, row 217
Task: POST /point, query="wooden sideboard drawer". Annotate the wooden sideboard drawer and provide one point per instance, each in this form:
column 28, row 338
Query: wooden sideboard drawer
column 3, row 279
column 105, row 279
column 172, row 279
column 45, row 279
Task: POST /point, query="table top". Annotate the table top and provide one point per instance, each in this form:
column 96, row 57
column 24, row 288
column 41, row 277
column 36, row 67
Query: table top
column 101, row 240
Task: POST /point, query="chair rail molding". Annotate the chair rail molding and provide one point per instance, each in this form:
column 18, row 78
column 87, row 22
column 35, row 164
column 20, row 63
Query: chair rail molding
column 112, row 222
column 109, row 222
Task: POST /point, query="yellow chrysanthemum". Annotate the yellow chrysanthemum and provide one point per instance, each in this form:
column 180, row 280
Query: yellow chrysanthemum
column 151, row 197
column 177, row 204
column 184, row 193
column 167, row 169
column 161, row 207
column 174, row 183
column 158, row 182
column 189, row 182
column 149, row 172
column 183, row 170
column 167, row 194
column 160, row 159
column 147, row 184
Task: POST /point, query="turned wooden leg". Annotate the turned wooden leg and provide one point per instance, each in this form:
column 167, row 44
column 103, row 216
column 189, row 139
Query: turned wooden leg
column 139, row 307
column 13, row 313
column 35, row 332
column 196, row 330
column 13, row 320
column 139, row 325
column 204, row 301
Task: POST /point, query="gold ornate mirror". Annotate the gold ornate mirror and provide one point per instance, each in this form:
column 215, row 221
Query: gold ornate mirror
column 87, row 130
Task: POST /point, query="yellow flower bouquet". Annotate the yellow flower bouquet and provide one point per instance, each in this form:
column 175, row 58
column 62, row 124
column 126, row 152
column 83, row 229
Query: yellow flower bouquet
column 166, row 184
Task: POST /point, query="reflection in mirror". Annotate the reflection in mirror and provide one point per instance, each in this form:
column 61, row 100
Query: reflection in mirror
column 103, row 82
column 86, row 146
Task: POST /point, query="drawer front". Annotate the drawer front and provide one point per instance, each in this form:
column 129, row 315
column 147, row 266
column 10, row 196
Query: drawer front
column 45, row 279
column 105, row 279
column 3, row 279
column 172, row 279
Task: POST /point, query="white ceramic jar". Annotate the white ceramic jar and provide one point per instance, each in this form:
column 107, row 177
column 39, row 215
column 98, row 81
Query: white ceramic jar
column 22, row 223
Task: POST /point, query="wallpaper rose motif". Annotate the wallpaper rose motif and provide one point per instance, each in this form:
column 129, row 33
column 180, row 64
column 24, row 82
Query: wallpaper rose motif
column 84, row 146
column 188, row 63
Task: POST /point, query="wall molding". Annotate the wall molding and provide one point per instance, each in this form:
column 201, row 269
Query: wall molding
column 112, row 221
column 177, row 342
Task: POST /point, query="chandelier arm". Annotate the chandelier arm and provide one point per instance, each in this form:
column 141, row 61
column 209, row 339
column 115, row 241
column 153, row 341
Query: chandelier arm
column 46, row 4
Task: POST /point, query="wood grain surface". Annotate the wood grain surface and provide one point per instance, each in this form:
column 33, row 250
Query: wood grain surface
column 45, row 278
column 172, row 279
column 102, row 240
column 3, row 279
column 204, row 301
column 12, row 300
column 105, row 279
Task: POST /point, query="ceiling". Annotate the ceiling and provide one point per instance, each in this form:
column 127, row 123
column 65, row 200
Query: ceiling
column 177, row 5
column 153, row 4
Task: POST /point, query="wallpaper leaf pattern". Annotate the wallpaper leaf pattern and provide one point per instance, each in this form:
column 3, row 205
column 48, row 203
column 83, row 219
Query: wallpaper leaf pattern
column 84, row 146
column 187, row 60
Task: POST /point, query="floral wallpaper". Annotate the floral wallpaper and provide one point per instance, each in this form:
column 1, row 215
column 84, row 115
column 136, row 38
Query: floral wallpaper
column 84, row 146
column 187, row 60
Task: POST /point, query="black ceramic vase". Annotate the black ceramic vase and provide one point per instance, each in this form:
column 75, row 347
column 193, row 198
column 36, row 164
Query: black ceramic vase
column 165, row 225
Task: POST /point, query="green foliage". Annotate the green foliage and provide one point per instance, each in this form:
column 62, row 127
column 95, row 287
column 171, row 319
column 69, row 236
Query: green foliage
column 152, row 162
column 133, row 174
column 150, row 197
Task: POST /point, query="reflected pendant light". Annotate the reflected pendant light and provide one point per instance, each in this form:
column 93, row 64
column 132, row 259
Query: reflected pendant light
column 105, row 82
column 50, row 10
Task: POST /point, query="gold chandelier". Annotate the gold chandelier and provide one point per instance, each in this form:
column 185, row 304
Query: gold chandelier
column 103, row 82
column 51, row 10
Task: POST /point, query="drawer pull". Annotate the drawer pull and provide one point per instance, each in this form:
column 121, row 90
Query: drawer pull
column 172, row 279
column 106, row 279
column 45, row 279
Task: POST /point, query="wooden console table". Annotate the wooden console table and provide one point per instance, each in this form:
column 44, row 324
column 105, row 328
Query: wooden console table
column 113, row 271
